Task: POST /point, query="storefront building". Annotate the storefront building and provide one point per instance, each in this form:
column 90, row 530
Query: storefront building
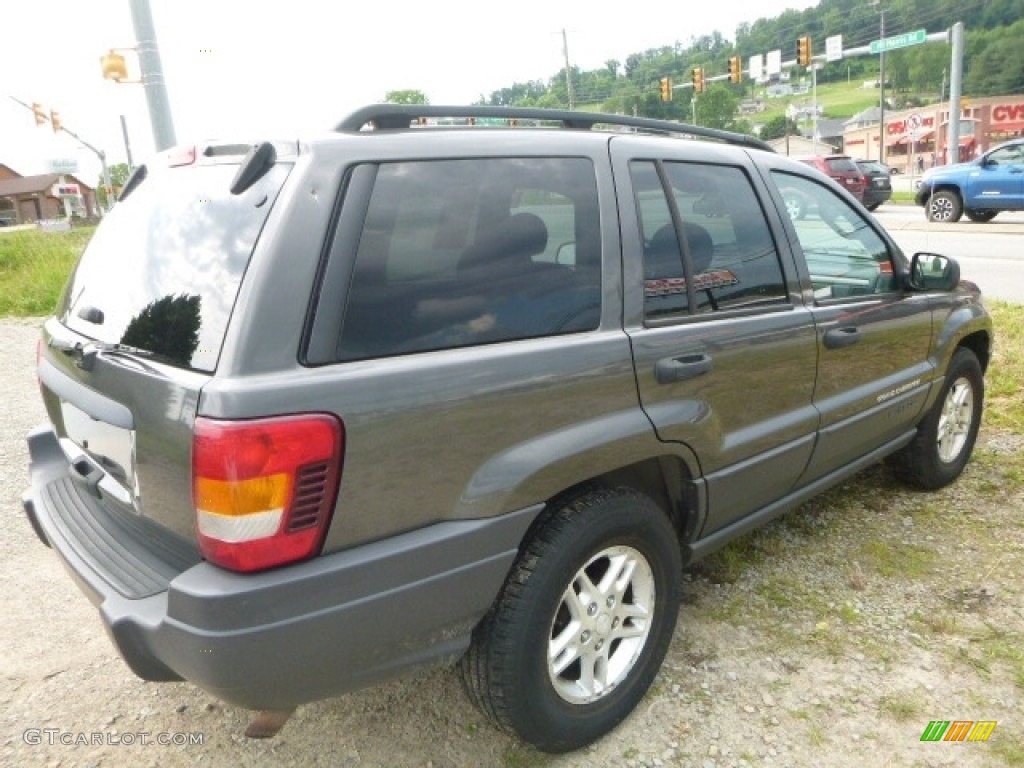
column 917, row 139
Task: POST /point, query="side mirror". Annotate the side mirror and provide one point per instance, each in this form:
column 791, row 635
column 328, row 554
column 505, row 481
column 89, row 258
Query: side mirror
column 933, row 272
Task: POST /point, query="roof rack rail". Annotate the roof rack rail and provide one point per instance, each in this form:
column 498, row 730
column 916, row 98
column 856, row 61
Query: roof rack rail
column 402, row 116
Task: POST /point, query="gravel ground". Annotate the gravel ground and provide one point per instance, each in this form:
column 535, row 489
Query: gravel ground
column 830, row 638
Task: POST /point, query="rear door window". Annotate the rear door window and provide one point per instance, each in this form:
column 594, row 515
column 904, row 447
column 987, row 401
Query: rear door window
column 462, row 252
column 732, row 261
column 162, row 271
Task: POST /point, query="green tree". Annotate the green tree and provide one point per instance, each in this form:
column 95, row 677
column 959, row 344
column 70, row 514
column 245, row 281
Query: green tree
column 119, row 173
column 716, row 107
column 168, row 326
column 776, row 128
column 408, row 96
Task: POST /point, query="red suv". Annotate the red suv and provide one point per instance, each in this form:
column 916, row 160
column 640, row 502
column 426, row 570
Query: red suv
column 842, row 168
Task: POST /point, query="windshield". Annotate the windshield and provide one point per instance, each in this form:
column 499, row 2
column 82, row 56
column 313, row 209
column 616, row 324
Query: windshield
column 163, row 269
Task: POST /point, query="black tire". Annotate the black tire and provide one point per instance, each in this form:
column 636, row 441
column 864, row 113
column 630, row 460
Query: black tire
column 946, row 436
column 944, row 206
column 873, row 206
column 544, row 696
column 980, row 216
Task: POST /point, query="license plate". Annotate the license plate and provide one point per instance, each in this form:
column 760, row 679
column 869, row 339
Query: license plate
column 110, row 448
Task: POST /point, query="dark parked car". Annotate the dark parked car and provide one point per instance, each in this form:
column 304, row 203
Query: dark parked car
column 878, row 187
column 325, row 411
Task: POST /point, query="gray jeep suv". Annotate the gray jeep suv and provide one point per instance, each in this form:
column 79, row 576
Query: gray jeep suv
column 418, row 391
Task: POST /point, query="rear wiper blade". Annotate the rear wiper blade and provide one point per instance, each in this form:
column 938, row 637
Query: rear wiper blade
column 85, row 353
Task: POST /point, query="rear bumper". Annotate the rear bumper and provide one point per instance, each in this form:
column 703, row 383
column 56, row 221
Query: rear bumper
column 277, row 639
column 876, row 195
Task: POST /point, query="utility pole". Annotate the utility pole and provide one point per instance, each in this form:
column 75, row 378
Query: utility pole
column 814, row 100
column 153, row 76
column 881, row 84
column 568, row 71
column 127, row 145
column 956, row 38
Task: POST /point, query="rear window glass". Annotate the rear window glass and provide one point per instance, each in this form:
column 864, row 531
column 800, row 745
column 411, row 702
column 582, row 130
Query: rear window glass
column 162, row 271
column 841, row 165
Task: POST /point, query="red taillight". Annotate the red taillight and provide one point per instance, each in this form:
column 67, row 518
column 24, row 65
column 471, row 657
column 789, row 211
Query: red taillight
column 178, row 156
column 264, row 490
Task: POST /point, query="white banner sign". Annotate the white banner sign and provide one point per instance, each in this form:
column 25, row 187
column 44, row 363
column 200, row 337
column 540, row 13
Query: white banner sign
column 834, row 48
column 756, row 67
column 62, row 165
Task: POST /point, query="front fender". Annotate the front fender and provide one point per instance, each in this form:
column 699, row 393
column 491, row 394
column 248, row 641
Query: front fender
column 960, row 320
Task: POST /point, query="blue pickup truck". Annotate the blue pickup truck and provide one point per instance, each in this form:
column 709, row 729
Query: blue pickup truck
column 980, row 189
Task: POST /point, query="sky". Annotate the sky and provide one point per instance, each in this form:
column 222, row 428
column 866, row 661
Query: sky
column 239, row 69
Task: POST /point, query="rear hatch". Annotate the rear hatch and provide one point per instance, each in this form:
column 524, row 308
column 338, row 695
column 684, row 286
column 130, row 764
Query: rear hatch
column 875, row 174
column 845, row 171
column 139, row 330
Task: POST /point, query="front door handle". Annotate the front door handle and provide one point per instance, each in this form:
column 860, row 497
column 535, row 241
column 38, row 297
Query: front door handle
column 838, row 338
column 670, row 369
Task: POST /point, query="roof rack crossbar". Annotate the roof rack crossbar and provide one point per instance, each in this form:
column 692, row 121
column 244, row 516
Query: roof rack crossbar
column 403, row 116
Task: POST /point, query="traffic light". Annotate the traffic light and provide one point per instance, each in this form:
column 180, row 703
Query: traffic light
column 803, row 51
column 666, row 89
column 735, row 69
column 698, row 79
column 40, row 113
column 55, row 121
column 113, row 67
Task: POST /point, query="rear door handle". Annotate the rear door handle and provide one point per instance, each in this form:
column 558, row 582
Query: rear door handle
column 670, row 369
column 842, row 337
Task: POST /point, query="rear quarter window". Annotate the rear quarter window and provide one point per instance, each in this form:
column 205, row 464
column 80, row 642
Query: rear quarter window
column 456, row 253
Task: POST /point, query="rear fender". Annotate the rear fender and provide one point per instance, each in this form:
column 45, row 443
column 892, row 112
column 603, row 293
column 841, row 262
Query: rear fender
column 541, row 468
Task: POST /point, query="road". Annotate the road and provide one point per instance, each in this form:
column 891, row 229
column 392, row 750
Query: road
column 991, row 255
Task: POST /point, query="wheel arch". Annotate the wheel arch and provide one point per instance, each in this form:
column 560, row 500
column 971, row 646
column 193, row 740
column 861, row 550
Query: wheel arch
column 947, row 186
column 666, row 480
column 610, row 450
column 968, row 326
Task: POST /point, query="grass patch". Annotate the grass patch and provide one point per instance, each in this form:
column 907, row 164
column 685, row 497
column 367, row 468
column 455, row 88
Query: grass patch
column 897, row 559
column 933, row 623
column 1005, row 406
column 839, row 100
column 34, row 266
column 1009, row 751
column 1002, row 647
column 900, row 706
column 524, row 758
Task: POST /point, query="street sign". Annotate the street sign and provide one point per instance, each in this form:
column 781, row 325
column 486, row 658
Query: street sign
column 913, row 123
column 834, row 48
column 898, row 41
column 62, row 165
column 773, row 63
column 756, row 68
